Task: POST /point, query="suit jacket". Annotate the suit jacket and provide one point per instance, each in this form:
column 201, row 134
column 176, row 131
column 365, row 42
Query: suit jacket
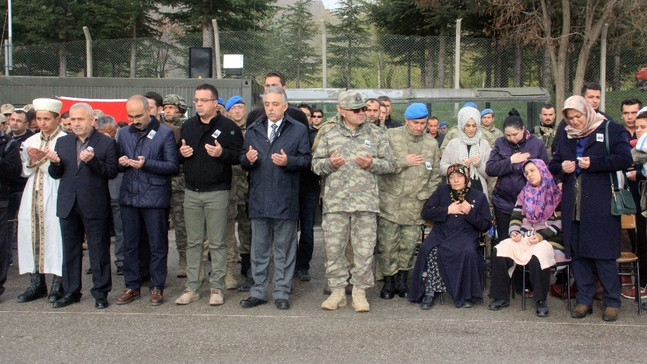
column 86, row 183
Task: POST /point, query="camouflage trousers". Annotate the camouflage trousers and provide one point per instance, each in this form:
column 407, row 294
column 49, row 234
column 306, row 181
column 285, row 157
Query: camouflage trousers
column 359, row 229
column 395, row 246
column 177, row 216
column 230, row 237
column 239, row 215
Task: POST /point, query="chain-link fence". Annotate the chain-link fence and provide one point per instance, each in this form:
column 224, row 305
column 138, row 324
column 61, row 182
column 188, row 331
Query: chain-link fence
column 386, row 61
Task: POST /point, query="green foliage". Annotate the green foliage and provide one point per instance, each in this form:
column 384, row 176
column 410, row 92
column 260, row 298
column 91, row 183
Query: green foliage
column 230, row 14
column 348, row 43
column 296, row 54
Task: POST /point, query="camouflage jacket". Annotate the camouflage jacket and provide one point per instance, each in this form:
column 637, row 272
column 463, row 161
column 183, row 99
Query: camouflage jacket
column 452, row 133
column 239, row 185
column 351, row 188
column 491, row 134
column 547, row 135
column 404, row 192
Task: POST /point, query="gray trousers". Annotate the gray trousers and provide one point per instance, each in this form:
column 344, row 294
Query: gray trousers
column 284, row 235
column 119, row 233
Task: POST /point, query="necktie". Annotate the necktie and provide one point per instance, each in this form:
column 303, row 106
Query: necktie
column 273, row 132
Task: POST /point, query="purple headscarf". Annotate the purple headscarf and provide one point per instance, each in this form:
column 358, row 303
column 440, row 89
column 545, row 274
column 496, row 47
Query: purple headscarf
column 539, row 203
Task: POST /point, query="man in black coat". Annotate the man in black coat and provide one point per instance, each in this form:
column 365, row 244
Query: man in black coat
column 10, row 168
column 84, row 161
column 276, row 150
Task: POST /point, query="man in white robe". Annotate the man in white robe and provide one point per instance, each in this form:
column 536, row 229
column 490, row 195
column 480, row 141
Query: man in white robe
column 40, row 246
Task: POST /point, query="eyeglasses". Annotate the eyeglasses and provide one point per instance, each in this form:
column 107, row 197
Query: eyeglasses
column 195, row 101
column 357, row 111
column 317, row 116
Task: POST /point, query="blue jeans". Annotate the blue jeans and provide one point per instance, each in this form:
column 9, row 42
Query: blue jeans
column 137, row 223
column 308, row 202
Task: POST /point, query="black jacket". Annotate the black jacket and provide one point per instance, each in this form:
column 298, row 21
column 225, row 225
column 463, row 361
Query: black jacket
column 10, row 166
column 86, row 183
column 274, row 190
column 201, row 171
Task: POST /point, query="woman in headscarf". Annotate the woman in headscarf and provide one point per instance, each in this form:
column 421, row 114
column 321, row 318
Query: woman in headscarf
column 535, row 221
column 449, row 259
column 591, row 233
column 505, row 162
column 469, row 148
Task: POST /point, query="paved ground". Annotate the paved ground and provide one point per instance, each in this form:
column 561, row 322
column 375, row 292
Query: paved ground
column 394, row 330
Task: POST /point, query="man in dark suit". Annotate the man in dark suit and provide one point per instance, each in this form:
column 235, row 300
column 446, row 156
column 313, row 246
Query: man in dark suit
column 148, row 158
column 84, row 161
column 276, row 150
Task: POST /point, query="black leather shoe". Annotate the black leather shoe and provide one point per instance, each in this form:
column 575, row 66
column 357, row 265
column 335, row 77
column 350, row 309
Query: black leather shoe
column 496, row 305
column 282, row 304
column 100, row 303
column 427, row 302
column 247, row 285
column 541, row 309
column 252, row 302
column 467, row 304
column 67, row 300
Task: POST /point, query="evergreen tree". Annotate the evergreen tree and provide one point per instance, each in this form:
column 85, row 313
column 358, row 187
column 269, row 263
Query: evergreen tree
column 349, row 40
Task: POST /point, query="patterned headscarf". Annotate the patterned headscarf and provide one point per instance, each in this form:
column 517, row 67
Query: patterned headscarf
column 464, row 116
column 593, row 119
column 459, row 195
column 539, row 203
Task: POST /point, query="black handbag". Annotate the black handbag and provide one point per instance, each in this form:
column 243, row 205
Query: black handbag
column 622, row 203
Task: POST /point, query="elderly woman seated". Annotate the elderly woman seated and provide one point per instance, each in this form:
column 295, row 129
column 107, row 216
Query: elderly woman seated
column 534, row 221
column 449, row 258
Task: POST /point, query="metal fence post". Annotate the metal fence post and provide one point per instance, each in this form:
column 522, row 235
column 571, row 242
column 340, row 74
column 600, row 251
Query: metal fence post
column 457, row 60
column 216, row 46
column 603, row 66
column 88, row 51
column 324, row 58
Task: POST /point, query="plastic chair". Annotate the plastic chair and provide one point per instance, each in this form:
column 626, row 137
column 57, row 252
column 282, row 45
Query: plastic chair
column 628, row 263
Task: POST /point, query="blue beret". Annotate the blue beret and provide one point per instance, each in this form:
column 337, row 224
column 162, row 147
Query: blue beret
column 221, row 101
column 486, row 111
column 417, row 110
column 233, row 101
column 470, row 104
column 442, row 123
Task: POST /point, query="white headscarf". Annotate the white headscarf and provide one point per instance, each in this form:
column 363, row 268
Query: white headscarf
column 464, row 116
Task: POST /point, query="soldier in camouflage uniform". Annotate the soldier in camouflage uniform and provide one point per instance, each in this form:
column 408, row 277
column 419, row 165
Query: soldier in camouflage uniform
column 174, row 109
column 237, row 111
column 546, row 131
column 402, row 195
column 349, row 153
column 490, row 132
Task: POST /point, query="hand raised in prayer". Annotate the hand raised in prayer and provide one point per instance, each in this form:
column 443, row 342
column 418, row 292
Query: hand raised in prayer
column 364, row 162
column 52, row 156
column 35, row 154
column 280, row 159
column 568, row 166
column 185, row 150
column 252, row 155
column 86, row 155
column 336, row 161
column 414, row 159
column 534, row 239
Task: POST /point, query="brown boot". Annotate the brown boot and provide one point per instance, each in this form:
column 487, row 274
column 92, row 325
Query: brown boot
column 337, row 299
column 610, row 314
column 581, row 311
column 359, row 300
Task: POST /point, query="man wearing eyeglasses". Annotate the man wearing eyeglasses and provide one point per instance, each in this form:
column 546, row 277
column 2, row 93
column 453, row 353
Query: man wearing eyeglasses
column 349, row 153
column 148, row 158
column 210, row 145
